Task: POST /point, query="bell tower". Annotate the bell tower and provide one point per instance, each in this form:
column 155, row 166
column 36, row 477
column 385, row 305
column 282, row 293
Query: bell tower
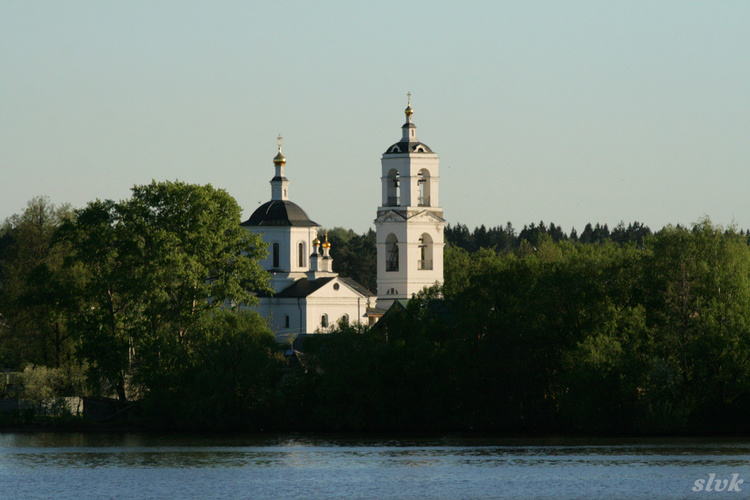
column 409, row 225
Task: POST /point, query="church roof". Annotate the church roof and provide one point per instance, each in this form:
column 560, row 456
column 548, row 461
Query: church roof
column 280, row 213
column 359, row 288
column 304, row 287
column 408, row 147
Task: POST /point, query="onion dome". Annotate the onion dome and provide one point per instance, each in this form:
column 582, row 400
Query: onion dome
column 279, row 159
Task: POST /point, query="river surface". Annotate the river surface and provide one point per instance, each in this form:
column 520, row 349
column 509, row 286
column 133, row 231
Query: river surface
column 79, row 466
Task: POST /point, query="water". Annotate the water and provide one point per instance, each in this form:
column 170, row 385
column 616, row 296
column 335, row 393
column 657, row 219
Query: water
column 150, row 466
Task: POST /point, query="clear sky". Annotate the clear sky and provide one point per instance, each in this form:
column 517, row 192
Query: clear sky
column 567, row 112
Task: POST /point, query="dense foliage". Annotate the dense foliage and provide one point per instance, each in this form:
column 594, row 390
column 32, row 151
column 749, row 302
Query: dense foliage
column 153, row 266
column 32, row 302
column 560, row 336
column 132, row 290
column 354, row 255
column 609, row 331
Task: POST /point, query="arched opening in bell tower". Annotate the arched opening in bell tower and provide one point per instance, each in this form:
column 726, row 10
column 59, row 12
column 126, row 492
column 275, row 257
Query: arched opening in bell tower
column 393, row 188
column 425, row 252
column 423, row 183
column 391, row 253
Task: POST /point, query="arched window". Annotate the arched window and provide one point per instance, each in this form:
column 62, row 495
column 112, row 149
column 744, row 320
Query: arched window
column 391, row 253
column 423, row 182
column 301, row 252
column 425, row 252
column 345, row 319
column 393, row 188
column 276, row 255
column 286, row 321
column 324, row 321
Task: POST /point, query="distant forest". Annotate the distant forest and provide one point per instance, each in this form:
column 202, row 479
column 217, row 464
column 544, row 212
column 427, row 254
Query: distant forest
column 503, row 239
column 354, row 254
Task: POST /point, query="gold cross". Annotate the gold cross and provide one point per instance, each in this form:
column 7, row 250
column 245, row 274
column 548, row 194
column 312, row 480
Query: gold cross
column 408, row 98
column 279, row 138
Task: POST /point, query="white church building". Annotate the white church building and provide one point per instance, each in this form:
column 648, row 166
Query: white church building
column 308, row 296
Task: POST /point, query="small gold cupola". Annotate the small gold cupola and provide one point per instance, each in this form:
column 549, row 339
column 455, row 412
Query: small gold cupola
column 279, row 158
column 409, row 110
column 279, row 183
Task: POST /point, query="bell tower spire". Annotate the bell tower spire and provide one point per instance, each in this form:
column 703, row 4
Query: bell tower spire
column 409, row 130
column 279, row 184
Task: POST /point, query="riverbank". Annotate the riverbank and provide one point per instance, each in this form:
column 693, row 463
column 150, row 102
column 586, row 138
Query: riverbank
column 23, row 424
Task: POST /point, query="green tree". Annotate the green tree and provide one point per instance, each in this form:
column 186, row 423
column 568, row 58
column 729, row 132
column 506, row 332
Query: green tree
column 354, row 255
column 155, row 265
column 699, row 305
column 32, row 285
column 222, row 377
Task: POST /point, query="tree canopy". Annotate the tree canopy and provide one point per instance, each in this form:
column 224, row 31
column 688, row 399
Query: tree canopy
column 561, row 336
column 154, row 266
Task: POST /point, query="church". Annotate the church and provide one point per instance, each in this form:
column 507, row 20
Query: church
column 308, row 296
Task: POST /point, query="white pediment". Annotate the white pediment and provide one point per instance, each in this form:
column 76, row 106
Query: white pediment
column 425, row 216
column 390, row 216
column 337, row 289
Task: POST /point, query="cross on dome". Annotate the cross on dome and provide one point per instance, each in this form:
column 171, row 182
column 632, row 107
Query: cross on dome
column 409, row 110
column 279, row 159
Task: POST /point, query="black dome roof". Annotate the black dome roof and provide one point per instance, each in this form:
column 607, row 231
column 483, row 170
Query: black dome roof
column 279, row 213
column 408, row 147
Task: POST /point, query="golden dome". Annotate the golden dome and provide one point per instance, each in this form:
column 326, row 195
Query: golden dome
column 316, row 242
column 409, row 111
column 279, row 159
column 326, row 244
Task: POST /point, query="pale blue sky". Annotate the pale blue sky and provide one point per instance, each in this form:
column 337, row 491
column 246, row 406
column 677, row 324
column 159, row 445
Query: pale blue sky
column 566, row 112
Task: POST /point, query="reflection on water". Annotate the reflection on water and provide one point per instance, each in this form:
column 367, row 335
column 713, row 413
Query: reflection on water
column 157, row 466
